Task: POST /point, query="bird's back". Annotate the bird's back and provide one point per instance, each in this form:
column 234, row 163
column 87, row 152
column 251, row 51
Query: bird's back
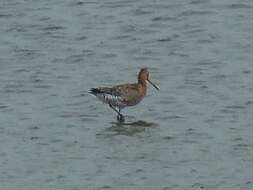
column 121, row 95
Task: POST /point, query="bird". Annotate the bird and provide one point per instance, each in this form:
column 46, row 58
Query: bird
column 124, row 95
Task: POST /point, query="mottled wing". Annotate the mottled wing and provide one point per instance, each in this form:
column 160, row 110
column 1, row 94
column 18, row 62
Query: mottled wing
column 109, row 95
column 118, row 96
column 130, row 94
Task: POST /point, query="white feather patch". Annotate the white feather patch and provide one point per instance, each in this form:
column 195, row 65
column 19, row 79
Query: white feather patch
column 111, row 99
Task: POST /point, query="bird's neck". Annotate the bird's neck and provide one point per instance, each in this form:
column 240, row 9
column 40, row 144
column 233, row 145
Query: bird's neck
column 142, row 86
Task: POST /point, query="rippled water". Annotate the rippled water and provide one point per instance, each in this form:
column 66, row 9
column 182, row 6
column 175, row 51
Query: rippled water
column 196, row 133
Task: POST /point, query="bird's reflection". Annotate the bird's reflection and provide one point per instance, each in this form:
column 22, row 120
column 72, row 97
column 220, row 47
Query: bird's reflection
column 129, row 128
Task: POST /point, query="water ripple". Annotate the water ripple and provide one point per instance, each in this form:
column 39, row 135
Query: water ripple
column 53, row 52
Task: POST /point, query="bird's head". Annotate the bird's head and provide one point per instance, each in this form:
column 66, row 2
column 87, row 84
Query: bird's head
column 143, row 77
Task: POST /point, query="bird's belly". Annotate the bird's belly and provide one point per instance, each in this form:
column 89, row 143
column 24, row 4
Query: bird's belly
column 134, row 101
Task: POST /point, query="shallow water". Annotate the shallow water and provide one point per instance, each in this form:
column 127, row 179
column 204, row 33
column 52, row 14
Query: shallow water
column 196, row 133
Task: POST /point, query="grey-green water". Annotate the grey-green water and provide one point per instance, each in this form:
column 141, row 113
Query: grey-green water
column 196, row 133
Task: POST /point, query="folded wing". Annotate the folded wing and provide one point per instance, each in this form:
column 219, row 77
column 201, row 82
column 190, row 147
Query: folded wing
column 118, row 96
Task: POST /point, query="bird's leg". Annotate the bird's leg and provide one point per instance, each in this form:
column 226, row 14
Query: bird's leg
column 120, row 117
column 111, row 106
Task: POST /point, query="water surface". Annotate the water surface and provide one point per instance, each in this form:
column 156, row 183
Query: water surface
column 196, row 133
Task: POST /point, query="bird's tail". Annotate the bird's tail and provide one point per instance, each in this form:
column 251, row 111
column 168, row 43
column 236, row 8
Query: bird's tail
column 95, row 91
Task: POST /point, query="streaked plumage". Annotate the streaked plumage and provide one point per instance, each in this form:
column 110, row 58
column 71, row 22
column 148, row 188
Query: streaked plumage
column 124, row 95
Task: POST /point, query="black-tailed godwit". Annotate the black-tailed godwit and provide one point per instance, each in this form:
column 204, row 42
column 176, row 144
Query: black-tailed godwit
column 121, row 96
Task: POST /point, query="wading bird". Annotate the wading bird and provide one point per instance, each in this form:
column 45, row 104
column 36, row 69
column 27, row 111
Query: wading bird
column 124, row 95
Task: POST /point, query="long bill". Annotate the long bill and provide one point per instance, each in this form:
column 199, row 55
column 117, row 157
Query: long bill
column 155, row 86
